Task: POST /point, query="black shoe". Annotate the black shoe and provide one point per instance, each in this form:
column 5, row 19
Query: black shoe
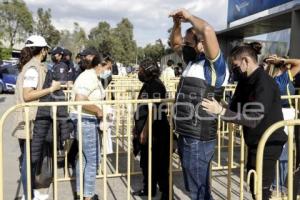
column 165, row 196
column 142, row 193
column 95, row 197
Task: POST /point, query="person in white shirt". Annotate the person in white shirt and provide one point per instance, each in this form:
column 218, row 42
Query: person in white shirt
column 169, row 72
column 88, row 87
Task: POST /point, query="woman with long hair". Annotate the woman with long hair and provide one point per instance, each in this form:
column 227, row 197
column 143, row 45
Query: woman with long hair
column 29, row 89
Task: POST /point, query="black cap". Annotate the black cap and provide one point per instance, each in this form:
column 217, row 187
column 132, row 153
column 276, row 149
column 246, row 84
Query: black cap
column 57, row 50
column 89, row 51
column 67, row 52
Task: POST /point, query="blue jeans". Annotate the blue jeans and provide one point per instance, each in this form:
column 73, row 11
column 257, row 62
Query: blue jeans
column 283, row 169
column 91, row 152
column 195, row 156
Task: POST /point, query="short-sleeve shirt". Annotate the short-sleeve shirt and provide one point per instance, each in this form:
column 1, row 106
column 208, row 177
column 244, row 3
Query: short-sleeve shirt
column 214, row 72
column 285, row 86
column 31, row 78
column 88, row 84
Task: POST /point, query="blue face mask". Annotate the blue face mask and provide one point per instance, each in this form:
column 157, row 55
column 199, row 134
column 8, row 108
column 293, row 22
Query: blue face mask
column 105, row 74
column 106, row 78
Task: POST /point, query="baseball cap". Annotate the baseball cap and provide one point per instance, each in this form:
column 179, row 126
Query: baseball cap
column 89, row 51
column 36, row 41
column 67, row 52
column 57, row 50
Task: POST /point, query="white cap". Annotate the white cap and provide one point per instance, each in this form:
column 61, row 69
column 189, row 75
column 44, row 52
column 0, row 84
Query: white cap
column 36, row 41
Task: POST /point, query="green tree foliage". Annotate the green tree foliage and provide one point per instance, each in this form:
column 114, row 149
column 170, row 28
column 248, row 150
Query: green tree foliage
column 45, row 28
column 118, row 41
column 154, row 51
column 15, row 20
column 74, row 41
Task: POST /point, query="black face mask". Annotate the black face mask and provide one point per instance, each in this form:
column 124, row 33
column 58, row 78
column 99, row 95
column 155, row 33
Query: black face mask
column 189, row 54
column 142, row 77
column 53, row 58
column 238, row 74
column 67, row 62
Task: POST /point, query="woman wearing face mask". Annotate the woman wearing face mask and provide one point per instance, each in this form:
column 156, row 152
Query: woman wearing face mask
column 29, row 88
column 88, row 87
column 255, row 105
column 153, row 88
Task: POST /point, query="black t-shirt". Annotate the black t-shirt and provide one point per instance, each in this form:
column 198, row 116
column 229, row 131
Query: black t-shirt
column 252, row 94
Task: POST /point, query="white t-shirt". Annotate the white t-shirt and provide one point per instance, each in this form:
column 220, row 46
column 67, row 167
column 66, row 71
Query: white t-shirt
column 89, row 85
column 168, row 73
column 31, row 78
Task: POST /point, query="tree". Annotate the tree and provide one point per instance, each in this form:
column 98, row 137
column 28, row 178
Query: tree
column 117, row 41
column 74, row 41
column 45, row 28
column 15, row 20
column 154, row 51
column 101, row 37
column 79, row 37
column 126, row 45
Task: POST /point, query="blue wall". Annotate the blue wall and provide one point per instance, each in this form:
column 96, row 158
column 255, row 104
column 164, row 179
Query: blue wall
column 238, row 9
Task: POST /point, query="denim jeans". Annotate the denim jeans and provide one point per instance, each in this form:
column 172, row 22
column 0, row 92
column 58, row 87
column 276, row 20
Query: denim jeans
column 196, row 156
column 91, row 152
column 283, row 170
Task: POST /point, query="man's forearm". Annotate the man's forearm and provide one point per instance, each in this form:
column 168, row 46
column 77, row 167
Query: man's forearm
column 176, row 37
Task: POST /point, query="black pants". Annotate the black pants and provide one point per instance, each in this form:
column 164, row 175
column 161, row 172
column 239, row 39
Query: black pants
column 160, row 164
column 271, row 155
column 296, row 188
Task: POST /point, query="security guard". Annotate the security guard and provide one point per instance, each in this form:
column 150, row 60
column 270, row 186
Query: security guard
column 60, row 69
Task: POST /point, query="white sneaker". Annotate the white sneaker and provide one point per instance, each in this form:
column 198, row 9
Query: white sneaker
column 38, row 196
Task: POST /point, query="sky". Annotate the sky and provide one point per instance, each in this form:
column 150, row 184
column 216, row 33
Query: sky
column 149, row 17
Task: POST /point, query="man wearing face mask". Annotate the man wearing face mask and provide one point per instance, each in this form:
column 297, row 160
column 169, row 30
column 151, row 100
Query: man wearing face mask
column 67, row 59
column 60, row 69
column 205, row 75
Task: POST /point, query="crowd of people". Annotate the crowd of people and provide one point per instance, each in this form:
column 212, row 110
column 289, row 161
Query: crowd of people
column 255, row 105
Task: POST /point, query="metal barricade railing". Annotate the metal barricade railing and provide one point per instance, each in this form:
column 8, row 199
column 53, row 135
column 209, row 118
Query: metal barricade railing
column 54, row 106
column 260, row 154
column 229, row 137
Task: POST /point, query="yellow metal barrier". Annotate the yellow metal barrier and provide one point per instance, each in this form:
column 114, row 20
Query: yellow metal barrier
column 260, row 153
column 228, row 137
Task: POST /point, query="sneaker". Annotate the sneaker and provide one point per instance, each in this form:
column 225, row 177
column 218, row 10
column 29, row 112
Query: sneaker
column 40, row 196
column 37, row 196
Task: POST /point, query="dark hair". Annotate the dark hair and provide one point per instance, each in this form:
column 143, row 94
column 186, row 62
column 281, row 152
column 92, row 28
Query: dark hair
column 151, row 68
column 170, row 63
column 107, row 57
column 246, row 49
column 27, row 53
column 25, row 57
column 98, row 59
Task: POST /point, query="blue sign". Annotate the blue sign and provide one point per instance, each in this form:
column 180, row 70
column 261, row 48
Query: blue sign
column 238, row 9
